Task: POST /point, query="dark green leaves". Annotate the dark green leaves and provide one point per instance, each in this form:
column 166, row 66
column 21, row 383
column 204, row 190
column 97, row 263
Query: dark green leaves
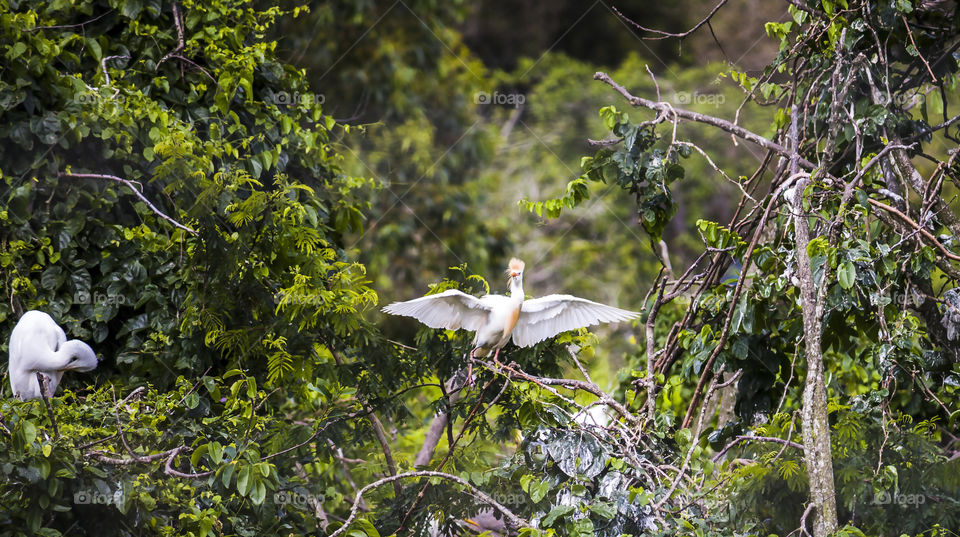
column 846, row 275
column 577, row 453
column 635, row 165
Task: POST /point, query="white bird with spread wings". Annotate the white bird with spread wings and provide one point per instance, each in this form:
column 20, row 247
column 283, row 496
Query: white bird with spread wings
column 497, row 318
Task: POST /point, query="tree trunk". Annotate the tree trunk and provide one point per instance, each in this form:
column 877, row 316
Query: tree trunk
column 437, row 427
column 815, row 425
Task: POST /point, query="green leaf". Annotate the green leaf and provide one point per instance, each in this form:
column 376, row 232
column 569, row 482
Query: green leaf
column 232, row 373
column 557, row 512
column 215, row 451
column 243, row 480
column 904, row 6
column 94, row 46
column 131, row 8
column 29, row 432
column 227, row 474
column 16, row 50
column 847, row 275
column 604, row 509
column 258, row 492
column 197, row 453
column 539, row 490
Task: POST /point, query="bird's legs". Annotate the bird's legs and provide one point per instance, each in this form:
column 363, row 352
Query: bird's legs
column 495, row 355
column 43, row 380
column 472, row 355
column 470, row 367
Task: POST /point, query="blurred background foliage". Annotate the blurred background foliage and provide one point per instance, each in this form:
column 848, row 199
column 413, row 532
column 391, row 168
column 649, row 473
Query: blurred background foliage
column 451, row 167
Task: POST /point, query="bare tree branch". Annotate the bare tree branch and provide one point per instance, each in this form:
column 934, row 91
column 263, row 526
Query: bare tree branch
column 915, row 226
column 133, row 189
column 513, row 520
column 668, row 35
column 688, row 115
column 742, row 438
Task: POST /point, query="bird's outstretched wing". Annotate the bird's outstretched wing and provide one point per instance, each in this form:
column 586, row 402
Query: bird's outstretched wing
column 545, row 317
column 450, row 309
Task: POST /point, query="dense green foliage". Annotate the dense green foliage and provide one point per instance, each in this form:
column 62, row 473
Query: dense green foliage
column 202, row 124
column 887, row 298
column 210, row 192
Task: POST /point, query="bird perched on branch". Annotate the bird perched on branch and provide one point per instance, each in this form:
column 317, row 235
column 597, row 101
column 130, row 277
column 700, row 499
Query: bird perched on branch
column 497, row 318
column 39, row 345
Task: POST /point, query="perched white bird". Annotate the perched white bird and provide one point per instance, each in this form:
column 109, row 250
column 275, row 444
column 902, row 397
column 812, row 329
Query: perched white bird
column 497, row 318
column 596, row 415
column 39, row 345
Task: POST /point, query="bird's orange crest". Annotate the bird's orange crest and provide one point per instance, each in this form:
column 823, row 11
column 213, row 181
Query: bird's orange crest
column 516, row 265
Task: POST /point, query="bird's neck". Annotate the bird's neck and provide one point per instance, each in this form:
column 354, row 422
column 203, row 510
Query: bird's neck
column 86, row 359
column 51, row 362
column 516, row 289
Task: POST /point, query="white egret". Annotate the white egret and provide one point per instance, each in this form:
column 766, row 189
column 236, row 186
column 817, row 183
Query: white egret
column 39, row 345
column 497, row 318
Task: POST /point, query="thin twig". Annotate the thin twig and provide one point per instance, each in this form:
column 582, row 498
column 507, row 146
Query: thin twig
column 740, row 439
column 43, row 393
column 385, row 446
column 694, row 442
column 651, row 351
column 103, row 64
column 3, row 425
column 80, row 24
column 123, row 439
column 132, row 189
column 135, row 393
column 106, row 458
column 514, row 520
column 914, row 43
column 377, row 429
column 180, row 40
column 668, row 35
column 724, row 334
column 169, row 470
column 576, row 385
column 915, row 226
column 655, row 84
column 451, row 445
